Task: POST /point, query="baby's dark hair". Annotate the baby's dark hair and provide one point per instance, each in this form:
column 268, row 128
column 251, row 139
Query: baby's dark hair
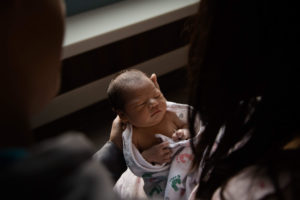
column 119, row 84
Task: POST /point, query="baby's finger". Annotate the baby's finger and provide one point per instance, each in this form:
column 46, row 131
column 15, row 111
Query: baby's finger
column 180, row 133
column 167, row 159
column 167, row 156
column 164, row 145
column 175, row 137
column 161, row 151
column 167, row 151
column 185, row 136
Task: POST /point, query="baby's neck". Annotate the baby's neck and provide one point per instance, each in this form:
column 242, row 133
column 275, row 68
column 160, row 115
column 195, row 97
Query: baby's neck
column 166, row 126
column 153, row 127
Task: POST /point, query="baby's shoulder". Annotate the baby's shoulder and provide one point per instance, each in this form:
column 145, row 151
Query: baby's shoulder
column 171, row 114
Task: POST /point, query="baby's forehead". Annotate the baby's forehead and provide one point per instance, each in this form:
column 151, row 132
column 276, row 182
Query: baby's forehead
column 132, row 78
column 136, row 94
column 138, row 87
column 133, row 75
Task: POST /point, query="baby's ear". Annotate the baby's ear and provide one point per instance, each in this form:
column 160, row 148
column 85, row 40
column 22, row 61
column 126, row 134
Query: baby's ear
column 153, row 78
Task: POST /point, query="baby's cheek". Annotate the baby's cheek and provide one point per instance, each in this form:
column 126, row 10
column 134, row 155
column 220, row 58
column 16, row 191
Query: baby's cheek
column 144, row 116
column 164, row 105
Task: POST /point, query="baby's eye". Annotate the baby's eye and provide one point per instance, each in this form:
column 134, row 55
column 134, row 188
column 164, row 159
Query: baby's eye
column 142, row 104
column 157, row 96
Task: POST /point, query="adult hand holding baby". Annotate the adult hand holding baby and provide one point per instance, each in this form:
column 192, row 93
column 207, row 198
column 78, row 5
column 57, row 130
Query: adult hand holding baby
column 116, row 132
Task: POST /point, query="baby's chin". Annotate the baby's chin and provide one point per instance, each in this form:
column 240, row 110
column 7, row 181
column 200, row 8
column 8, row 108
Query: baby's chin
column 153, row 122
column 158, row 117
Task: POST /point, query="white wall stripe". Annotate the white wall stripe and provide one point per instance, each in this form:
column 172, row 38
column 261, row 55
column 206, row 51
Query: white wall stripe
column 96, row 28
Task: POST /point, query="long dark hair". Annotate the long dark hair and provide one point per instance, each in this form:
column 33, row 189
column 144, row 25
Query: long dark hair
column 242, row 66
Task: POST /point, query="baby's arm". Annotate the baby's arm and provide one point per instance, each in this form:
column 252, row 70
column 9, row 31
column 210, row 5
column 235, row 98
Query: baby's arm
column 182, row 133
column 160, row 153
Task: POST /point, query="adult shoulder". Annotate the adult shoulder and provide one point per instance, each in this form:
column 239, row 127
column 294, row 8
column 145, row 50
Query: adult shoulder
column 60, row 168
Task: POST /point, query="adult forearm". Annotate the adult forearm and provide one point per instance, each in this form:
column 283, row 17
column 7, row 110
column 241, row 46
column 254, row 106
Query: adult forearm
column 112, row 158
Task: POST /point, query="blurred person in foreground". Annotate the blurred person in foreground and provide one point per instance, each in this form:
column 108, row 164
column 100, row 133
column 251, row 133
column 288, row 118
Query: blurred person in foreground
column 59, row 168
column 243, row 63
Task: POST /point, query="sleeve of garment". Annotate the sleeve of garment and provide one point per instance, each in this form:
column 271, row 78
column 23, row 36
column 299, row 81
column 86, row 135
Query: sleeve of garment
column 60, row 169
column 252, row 183
column 112, row 158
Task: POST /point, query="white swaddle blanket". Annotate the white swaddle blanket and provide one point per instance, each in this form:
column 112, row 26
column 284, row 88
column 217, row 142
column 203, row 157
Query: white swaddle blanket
column 168, row 181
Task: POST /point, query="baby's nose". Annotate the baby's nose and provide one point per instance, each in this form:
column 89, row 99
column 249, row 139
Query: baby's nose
column 153, row 102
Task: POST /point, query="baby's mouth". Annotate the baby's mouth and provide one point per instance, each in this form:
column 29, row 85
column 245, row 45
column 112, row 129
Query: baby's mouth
column 154, row 113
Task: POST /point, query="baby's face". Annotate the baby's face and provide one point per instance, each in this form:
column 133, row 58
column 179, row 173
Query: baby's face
column 145, row 105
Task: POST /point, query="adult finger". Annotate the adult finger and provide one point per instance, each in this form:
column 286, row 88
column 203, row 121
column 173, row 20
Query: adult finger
column 116, row 132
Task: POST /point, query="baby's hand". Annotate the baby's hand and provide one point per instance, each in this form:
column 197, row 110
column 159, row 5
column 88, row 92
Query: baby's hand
column 160, row 153
column 181, row 134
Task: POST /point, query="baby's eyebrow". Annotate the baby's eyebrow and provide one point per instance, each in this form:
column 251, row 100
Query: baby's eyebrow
column 134, row 102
